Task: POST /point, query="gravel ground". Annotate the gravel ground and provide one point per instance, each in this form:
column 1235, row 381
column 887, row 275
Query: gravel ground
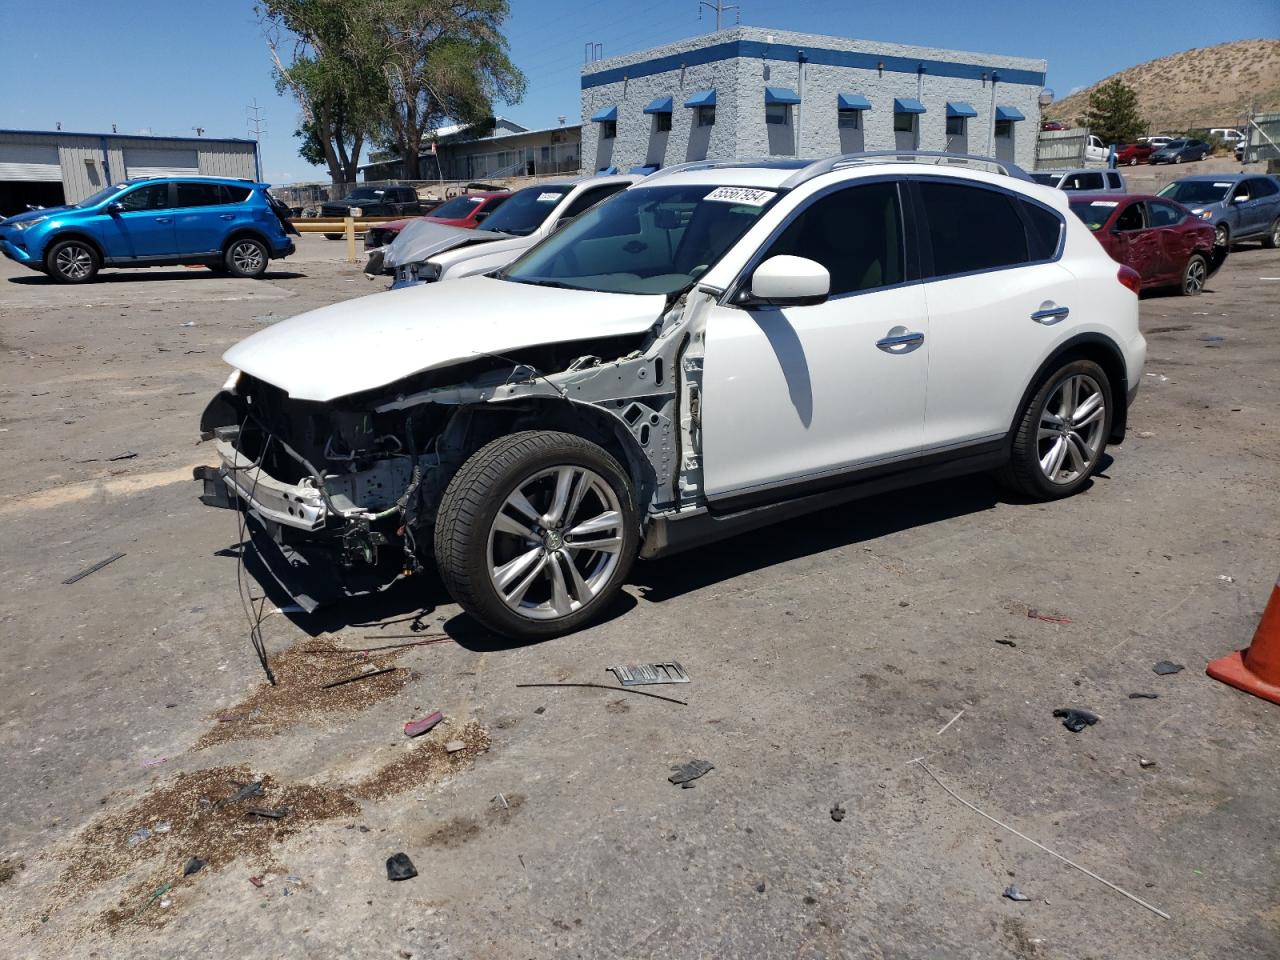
column 826, row 654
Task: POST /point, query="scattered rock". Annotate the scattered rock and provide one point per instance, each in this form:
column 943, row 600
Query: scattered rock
column 193, row 866
column 686, row 773
column 1144, row 696
column 1013, row 893
column 400, row 867
column 837, row 812
column 1166, row 667
column 1074, row 719
column 453, row 746
column 1146, row 764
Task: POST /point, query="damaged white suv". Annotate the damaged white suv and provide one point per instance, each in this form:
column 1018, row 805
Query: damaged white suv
column 719, row 347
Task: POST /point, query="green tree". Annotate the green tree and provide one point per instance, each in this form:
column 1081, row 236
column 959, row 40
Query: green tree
column 1113, row 113
column 441, row 61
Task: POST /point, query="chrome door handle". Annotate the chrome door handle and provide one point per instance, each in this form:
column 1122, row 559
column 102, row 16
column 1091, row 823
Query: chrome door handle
column 1050, row 315
column 895, row 341
column 226, row 216
column 164, row 219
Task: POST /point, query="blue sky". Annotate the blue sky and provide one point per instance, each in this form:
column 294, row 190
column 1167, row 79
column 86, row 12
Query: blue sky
column 166, row 66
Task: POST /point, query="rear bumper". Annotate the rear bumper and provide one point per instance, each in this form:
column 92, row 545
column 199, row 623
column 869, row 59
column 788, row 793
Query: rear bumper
column 282, row 248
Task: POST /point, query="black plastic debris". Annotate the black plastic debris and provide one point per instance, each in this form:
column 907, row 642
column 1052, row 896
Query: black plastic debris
column 838, row 812
column 540, row 710
column 1013, row 893
column 193, row 866
column 686, row 773
column 760, row 887
column 1006, row 641
column 1144, row 696
column 400, row 867
column 1076, row 720
column 1166, row 667
column 278, row 813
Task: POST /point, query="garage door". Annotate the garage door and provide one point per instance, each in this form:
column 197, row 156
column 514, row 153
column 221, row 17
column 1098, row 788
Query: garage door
column 159, row 162
column 29, row 161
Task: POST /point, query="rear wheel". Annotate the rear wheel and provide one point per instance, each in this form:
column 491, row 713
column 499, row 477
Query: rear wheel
column 333, row 236
column 247, row 258
column 1194, row 275
column 1062, row 434
column 1272, row 239
column 536, row 533
column 1177, row 158
column 1133, row 161
column 72, row 261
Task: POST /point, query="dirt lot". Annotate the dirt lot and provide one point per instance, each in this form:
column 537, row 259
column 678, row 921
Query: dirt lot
column 826, row 654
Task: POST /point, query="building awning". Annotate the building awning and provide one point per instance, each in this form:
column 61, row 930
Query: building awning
column 783, row 96
column 1009, row 113
column 853, row 101
column 646, row 169
column 607, row 171
column 907, row 105
column 659, row 105
column 958, row 108
column 605, row 115
column 703, row 98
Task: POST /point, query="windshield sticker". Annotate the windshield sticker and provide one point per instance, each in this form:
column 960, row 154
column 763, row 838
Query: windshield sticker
column 748, row 195
column 1222, row 184
column 548, row 197
column 1105, row 203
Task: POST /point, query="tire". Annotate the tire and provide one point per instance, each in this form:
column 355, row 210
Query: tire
column 72, row 261
column 1030, row 470
column 1222, row 235
column 507, row 569
column 246, row 257
column 1133, row 161
column 1194, row 275
column 333, row 236
column 1272, row 239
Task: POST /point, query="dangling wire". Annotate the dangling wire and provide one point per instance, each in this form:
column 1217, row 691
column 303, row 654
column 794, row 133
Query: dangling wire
column 255, row 617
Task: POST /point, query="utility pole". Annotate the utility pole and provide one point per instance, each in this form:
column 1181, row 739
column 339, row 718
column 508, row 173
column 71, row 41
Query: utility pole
column 719, row 6
column 254, row 123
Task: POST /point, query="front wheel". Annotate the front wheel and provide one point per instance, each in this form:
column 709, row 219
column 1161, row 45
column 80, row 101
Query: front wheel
column 1062, row 433
column 1272, row 239
column 1177, row 158
column 1133, row 161
column 246, row 258
column 536, row 533
column 1221, row 235
column 1194, row 275
column 72, row 261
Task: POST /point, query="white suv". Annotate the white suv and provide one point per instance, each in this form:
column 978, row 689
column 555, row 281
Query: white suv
column 718, row 347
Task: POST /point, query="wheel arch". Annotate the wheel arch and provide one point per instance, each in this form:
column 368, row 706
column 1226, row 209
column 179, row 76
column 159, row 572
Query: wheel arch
column 1103, row 351
column 242, row 233
column 73, row 234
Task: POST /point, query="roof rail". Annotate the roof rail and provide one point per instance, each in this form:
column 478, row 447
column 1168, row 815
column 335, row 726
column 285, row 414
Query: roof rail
column 970, row 161
column 719, row 164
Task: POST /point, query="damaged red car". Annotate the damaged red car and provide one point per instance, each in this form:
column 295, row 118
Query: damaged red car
column 1158, row 238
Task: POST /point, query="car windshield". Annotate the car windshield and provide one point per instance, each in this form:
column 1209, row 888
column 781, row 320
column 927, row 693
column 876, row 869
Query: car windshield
column 364, row 193
column 1094, row 213
column 1048, row 179
column 1175, row 144
column 457, row 208
column 1197, row 191
column 525, row 211
column 644, row 240
column 97, row 198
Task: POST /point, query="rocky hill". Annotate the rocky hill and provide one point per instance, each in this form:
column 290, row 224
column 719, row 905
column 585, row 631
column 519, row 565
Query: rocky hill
column 1204, row 87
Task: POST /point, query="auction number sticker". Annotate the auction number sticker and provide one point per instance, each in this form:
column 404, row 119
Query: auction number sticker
column 1105, row 203
column 748, row 195
column 1222, row 184
column 549, row 197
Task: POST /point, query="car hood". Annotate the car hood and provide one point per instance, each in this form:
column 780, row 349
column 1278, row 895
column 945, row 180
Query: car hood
column 501, row 243
column 423, row 238
column 32, row 215
column 374, row 341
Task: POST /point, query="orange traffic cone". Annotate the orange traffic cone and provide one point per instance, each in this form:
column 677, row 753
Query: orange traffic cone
column 1256, row 670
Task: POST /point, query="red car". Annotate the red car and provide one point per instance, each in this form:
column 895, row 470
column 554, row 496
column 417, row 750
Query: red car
column 1132, row 154
column 1160, row 239
column 465, row 210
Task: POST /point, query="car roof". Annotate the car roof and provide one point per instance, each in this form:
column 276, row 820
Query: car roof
column 1204, row 177
column 194, row 178
column 1064, row 171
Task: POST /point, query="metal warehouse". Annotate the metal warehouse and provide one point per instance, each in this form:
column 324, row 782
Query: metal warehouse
column 47, row 168
column 750, row 92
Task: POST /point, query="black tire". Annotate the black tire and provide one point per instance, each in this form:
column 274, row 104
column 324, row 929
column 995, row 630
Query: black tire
column 1177, row 158
column 1272, row 239
column 471, row 505
column 72, row 261
column 1194, row 276
column 1222, row 235
column 333, row 236
column 246, row 257
column 1023, row 473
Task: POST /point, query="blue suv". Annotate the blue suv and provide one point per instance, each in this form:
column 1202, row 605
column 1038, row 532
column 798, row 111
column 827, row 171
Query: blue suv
column 231, row 226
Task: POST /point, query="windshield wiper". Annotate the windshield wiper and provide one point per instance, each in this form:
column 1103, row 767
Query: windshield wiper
column 542, row 283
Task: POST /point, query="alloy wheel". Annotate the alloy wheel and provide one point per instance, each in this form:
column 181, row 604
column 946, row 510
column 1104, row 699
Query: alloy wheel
column 1193, row 282
column 74, row 262
column 1071, row 425
column 247, row 256
column 555, row 542
column 1220, row 236
column 1275, row 234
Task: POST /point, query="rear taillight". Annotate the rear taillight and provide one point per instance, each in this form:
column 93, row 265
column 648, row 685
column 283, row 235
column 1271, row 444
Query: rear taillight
column 1130, row 278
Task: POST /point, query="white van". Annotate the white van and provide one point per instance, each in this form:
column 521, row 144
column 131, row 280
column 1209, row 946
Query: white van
column 1227, row 134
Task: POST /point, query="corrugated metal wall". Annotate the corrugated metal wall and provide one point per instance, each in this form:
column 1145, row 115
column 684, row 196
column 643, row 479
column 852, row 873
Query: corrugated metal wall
column 82, row 170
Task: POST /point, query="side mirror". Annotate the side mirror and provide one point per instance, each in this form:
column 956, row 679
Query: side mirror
column 1240, row 198
column 785, row 281
column 114, row 208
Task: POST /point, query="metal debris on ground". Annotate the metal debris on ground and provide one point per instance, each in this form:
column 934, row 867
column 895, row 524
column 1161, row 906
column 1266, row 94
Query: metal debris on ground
column 278, row 813
column 256, row 881
column 1223, row 578
column 1146, row 764
column 135, row 838
column 1144, row 696
column 1076, row 720
column 837, row 812
column 1166, row 667
column 193, row 866
column 164, row 826
column 645, row 673
column 605, row 686
column 127, row 455
column 950, row 722
column 359, row 676
column 1013, row 893
column 686, row 773
column 453, row 746
column 93, row 569
column 1006, row 641
column 1047, row 617
column 415, row 728
column 245, row 791
column 400, row 867
column 154, row 761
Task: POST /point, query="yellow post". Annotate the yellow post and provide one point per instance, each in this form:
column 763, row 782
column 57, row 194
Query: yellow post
column 349, row 228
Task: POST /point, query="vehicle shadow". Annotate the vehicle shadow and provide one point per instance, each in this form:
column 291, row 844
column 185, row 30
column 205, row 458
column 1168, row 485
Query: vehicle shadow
column 150, row 275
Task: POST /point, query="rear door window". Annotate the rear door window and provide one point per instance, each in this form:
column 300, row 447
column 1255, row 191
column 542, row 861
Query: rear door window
column 1264, row 187
column 1044, row 231
column 1163, row 214
column 972, row 228
column 1114, row 182
column 1131, row 218
column 199, row 194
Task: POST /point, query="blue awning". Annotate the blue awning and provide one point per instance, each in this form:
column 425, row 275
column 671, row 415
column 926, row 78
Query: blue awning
column 607, row 171
column 659, row 105
column 703, row 98
column 781, row 95
column 853, row 101
column 907, row 105
column 604, row 115
column 646, row 169
column 958, row 108
column 1009, row 113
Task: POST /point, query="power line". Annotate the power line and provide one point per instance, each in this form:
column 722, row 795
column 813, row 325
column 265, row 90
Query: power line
column 719, row 6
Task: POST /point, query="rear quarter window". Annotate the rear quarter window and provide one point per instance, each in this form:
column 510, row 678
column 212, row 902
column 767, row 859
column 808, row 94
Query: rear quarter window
column 1044, row 231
